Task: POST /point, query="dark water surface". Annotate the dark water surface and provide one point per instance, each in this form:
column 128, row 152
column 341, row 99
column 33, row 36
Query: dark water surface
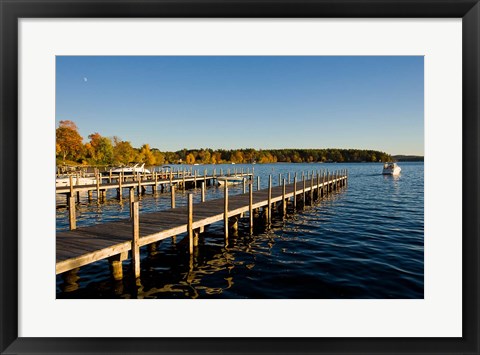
column 365, row 241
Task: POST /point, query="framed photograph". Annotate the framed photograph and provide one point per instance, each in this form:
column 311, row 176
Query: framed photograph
column 239, row 177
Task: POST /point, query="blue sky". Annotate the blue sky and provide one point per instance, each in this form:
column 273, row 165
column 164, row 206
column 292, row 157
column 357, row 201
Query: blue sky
column 261, row 102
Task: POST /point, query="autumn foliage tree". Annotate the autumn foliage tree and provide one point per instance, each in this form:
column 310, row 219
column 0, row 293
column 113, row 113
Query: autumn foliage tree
column 68, row 141
column 99, row 149
column 190, row 158
column 123, row 152
column 146, row 156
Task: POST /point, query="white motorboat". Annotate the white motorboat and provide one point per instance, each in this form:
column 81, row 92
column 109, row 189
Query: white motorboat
column 131, row 170
column 230, row 180
column 391, row 169
column 64, row 180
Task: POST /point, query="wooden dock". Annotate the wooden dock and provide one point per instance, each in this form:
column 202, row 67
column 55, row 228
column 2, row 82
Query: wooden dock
column 140, row 182
column 114, row 240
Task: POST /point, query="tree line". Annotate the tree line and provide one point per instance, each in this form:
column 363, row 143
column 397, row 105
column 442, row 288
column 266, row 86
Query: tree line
column 113, row 151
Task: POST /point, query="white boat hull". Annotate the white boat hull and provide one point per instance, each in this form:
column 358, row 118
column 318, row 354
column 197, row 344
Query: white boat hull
column 230, row 181
column 81, row 181
column 395, row 171
column 131, row 170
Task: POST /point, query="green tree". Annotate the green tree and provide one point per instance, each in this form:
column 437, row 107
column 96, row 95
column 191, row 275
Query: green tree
column 159, row 157
column 123, row 153
column 99, row 149
column 146, row 156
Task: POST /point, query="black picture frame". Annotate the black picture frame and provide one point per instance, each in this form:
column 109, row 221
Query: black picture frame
column 11, row 11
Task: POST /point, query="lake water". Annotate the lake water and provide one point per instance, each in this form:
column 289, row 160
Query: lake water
column 365, row 241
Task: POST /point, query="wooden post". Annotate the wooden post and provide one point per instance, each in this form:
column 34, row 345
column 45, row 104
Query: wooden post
column 323, row 185
column 244, row 186
column 318, row 185
column 269, row 211
column 120, row 181
column 172, row 195
column 71, row 213
column 132, row 200
column 205, row 177
column 295, row 192
column 135, row 237
column 258, row 183
column 203, row 191
column 190, row 223
column 98, row 187
column 110, row 176
column 328, row 182
column 304, row 187
column 311, row 190
column 288, row 177
column 195, row 180
column 115, row 263
column 225, row 213
column 250, row 204
column 183, row 182
column 70, row 178
column 284, row 199
column 139, row 188
column 172, row 202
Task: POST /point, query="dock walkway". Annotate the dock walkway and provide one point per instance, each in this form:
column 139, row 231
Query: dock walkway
column 141, row 181
column 79, row 247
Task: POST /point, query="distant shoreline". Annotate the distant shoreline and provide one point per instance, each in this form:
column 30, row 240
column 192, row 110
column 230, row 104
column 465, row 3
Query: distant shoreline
column 408, row 158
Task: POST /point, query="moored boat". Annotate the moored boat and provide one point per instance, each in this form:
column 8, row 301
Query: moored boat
column 131, row 170
column 64, row 180
column 230, row 180
column 391, row 169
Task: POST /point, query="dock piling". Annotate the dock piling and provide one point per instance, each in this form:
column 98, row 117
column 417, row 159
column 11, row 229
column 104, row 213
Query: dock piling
column 116, row 268
column 120, row 181
column 311, row 190
column 131, row 199
column 269, row 206
column 225, row 213
column 304, row 191
column 135, row 237
column 72, row 213
column 172, row 196
column 250, row 205
column 295, row 192
column 190, row 223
